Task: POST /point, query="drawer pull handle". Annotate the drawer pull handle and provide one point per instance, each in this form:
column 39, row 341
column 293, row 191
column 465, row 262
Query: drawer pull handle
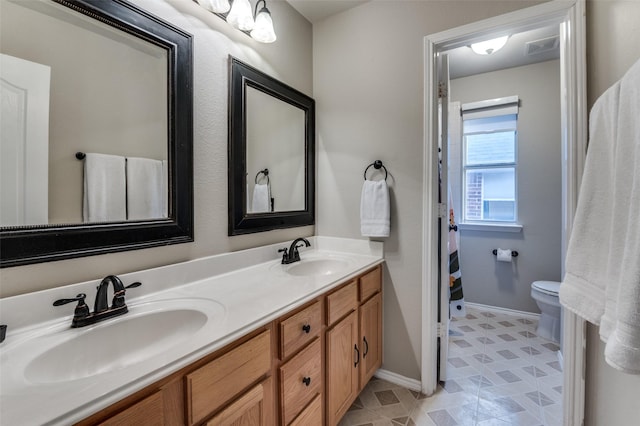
column 306, row 328
column 306, row 381
column 366, row 347
column 355, row 364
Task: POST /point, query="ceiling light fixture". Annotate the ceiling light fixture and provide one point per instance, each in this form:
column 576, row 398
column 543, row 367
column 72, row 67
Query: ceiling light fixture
column 237, row 13
column 490, row 46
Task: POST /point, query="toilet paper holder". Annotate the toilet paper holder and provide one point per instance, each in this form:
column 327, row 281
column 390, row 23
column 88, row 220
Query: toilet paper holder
column 513, row 253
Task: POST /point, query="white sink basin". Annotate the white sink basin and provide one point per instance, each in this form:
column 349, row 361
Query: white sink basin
column 146, row 331
column 316, row 266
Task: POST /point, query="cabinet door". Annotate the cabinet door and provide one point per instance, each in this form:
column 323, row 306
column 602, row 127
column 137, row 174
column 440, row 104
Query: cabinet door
column 370, row 338
column 214, row 384
column 149, row 411
column 251, row 409
column 343, row 358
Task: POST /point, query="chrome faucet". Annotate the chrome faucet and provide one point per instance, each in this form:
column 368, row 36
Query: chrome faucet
column 292, row 255
column 101, row 310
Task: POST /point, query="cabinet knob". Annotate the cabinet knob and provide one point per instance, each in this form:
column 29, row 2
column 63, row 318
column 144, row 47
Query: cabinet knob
column 306, row 328
column 306, row 381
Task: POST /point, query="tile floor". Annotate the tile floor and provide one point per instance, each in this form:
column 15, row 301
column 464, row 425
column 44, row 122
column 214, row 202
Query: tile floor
column 500, row 373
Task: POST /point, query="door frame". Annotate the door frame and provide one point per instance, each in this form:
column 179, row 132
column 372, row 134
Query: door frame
column 574, row 141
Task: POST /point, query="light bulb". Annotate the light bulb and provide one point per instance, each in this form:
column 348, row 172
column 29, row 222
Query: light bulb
column 220, row 6
column 490, row 46
column 263, row 29
column 240, row 16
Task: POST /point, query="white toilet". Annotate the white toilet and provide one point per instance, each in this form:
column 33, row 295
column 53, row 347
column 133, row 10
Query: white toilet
column 545, row 293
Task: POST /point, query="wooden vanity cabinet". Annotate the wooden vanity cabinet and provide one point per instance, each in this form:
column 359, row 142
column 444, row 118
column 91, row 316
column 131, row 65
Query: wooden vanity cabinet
column 353, row 340
column 303, row 369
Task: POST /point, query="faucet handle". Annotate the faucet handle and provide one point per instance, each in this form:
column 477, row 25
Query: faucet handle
column 285, row 255
column 79, row 298
column 118, row 297
column 82, row 310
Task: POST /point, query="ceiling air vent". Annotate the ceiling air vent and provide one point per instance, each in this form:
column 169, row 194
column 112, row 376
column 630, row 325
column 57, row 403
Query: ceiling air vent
column 540, row 46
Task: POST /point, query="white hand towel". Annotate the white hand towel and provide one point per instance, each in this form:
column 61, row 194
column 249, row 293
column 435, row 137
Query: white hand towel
column 375, row 209
column 602, row 280
column 104, row 198
column 146, row 189
column 261, row 199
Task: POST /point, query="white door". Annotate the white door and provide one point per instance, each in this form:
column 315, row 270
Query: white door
column 24, row 142
column 443, row 221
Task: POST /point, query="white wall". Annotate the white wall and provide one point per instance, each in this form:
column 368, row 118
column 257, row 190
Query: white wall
column 368, row 84
column 539, row 190
column 612, row 47
column 288, row 59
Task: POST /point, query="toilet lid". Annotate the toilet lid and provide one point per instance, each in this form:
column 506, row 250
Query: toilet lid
column 548, row 287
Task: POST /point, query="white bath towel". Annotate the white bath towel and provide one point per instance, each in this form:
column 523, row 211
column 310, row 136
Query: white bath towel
column 146, row 189
column 261, row 199
column 602, row 280
column 104, row 198
column 375, row 209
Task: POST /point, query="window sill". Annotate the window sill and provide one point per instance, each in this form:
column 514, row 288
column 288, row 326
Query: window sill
column 491, row 227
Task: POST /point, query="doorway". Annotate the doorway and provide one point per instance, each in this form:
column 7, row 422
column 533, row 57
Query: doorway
column 570, row 18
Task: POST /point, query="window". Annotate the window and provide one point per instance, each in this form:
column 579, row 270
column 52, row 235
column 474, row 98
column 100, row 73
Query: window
column 490, row 164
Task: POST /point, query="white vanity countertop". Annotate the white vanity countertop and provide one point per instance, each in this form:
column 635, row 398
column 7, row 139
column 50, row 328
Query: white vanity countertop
column 239, row 292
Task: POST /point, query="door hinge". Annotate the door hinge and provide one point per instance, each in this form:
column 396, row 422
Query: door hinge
column 441, row 330
column 442, row 210
column 442, row 90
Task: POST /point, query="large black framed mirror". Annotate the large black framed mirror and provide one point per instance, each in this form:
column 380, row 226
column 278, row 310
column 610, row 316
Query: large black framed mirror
column 128, row 93
column 271, row 152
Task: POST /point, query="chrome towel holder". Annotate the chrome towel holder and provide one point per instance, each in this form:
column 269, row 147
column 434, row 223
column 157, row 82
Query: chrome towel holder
column 376, row 165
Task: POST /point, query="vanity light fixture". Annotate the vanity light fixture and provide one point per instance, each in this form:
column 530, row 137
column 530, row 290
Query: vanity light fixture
column 490, row 46
column 263, row 28
column 237, row 13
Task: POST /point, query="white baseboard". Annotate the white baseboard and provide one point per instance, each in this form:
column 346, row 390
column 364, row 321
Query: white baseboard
column 397, row 379
column 497, row 309
column 561, row 360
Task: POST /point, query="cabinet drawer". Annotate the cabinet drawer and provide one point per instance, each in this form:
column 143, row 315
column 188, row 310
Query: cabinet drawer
column 251, row 409
column 299, row 329
column 300, row 381
column 370, row 283
column 341, row 302
column 312, row 415
column 223, row 378
column 149, row 411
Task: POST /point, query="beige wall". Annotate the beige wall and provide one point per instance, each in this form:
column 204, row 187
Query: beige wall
column 612, row 47
column 368, row 82
column 539, row 190
column 289, row 59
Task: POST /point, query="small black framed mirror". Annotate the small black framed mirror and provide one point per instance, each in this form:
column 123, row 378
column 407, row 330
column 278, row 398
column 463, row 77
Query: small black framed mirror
column 271, row 153
column 167, row 53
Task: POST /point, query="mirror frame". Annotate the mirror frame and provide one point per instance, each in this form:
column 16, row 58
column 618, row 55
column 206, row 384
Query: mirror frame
column 242, row 76
column 35, row 244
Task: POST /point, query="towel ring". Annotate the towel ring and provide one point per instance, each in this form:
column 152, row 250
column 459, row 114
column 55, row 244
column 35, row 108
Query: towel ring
column 376, row 165
column 513, row 253
column 80, row 155
column 265, row 172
